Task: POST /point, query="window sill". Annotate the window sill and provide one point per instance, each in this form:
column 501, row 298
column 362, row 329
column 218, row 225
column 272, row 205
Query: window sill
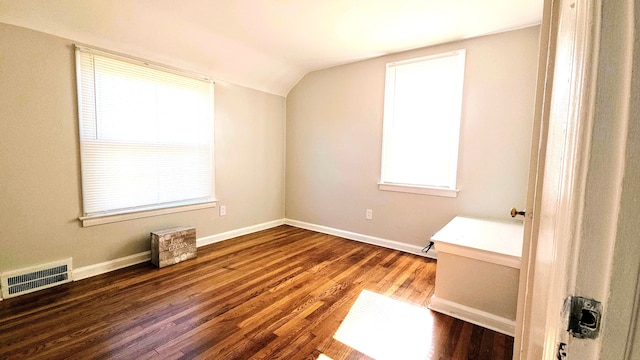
column 416, row 189
column 124, row 216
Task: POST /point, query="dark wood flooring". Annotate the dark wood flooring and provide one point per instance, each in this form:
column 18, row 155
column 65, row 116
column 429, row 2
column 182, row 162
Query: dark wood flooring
column 281, row 293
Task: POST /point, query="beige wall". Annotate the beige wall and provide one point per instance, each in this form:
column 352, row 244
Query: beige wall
column 610, row 223
column 40, row 195
column 333, row 117
column 334, row 133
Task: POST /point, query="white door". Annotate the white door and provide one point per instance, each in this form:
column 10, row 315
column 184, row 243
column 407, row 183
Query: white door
column 545, row 246
column 578, row 161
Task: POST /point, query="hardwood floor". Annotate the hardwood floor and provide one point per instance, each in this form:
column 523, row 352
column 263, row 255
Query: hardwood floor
column 283, row 293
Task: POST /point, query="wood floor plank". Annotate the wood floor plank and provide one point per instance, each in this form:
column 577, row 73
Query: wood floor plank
column 281, row 293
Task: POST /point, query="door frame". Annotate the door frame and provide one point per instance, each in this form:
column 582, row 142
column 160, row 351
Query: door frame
column 573, row 220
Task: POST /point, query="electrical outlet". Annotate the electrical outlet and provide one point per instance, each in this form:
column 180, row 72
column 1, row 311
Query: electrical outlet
column 368, row 214
column 223, row 210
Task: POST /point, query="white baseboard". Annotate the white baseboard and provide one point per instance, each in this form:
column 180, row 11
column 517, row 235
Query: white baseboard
column 208, row 240
column 391, row 244
column 107, row 266
column 104, row 267
column 474, row 316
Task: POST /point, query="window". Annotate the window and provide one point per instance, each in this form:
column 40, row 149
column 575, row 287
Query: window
column 146, row 138
column 422, row 110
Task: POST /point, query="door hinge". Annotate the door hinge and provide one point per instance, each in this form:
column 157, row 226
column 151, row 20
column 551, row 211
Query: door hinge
column 562, row 351
column 583, row 317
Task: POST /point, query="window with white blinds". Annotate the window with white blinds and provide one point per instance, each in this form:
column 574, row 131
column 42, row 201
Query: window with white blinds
column 421, row 131
column 146, row 135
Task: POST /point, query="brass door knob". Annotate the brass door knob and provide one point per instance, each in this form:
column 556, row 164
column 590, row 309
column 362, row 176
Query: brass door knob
column 515, row 212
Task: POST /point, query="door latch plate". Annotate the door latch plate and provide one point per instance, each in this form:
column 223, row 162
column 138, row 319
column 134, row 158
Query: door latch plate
column 584, row 315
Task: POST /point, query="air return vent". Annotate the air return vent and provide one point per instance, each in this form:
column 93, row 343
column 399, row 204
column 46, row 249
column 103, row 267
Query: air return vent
column 40, row 277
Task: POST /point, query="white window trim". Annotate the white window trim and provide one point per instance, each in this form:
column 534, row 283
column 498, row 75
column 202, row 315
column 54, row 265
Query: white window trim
column 419, row 189
column 448, row 191
column 94, row 220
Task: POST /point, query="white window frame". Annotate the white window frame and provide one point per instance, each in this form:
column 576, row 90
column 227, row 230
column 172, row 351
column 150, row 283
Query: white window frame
column 449, row 189
column 104, row 217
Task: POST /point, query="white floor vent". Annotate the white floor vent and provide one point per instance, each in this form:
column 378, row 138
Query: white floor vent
column 36, row 278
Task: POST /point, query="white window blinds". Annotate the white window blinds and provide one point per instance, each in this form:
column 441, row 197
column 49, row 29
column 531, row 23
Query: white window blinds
column 146, row 135
column 422, row 110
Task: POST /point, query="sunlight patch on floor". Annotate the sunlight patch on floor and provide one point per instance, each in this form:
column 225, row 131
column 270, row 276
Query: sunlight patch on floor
column 385, row 328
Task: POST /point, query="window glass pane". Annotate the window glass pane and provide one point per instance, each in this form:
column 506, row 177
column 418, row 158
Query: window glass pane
column 146, row 136
column 423, row 101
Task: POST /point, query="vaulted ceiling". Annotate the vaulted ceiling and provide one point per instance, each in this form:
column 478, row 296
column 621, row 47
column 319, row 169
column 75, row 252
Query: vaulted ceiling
column 267, row 45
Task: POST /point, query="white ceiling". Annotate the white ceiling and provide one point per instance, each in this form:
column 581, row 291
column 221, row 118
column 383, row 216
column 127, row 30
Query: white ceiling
column 267, row 45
